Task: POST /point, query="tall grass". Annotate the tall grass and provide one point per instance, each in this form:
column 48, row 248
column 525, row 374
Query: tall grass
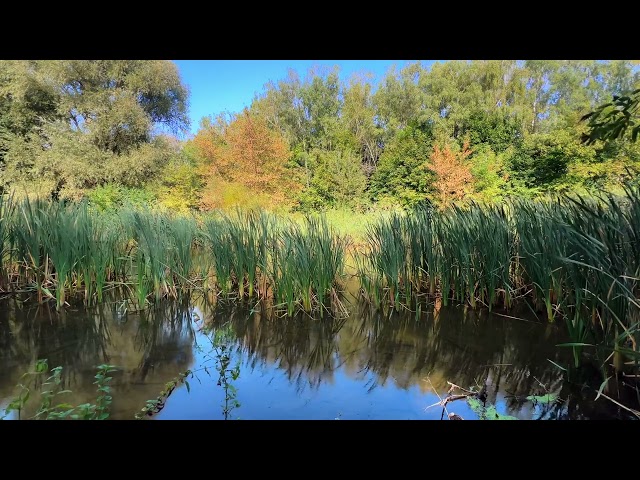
column 306, row 264
column 573, row 259
column 7, row 206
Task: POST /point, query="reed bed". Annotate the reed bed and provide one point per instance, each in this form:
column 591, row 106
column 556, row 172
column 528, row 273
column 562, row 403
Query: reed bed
column 63, row 250
column 573, row 259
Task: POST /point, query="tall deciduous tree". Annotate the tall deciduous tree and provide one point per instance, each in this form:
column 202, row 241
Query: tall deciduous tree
column 358, row 118
column 399, row 174
column 89, row 122
column 338, row 180
column 399, row 100
column 454, row 178
column 249, row 153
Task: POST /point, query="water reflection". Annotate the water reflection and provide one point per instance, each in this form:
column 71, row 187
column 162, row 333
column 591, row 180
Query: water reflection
column 147, row 347
column 370, row 365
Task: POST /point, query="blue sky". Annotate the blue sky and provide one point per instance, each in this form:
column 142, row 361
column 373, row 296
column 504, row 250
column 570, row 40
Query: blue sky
column 230, row 85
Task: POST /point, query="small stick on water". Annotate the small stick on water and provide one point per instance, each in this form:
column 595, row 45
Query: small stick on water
column 453, row 385
column 452, row 398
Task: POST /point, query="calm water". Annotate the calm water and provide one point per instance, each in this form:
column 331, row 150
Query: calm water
column 368, row 366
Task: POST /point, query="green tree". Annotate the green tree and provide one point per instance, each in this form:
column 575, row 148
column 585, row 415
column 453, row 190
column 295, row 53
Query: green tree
column 399, row 100
column 494, row 129
column 489, row 170
column 358, row 119
column 99, row 122
column 401, row 174
column 181, row 182
column 338, row 180
column 543, row 159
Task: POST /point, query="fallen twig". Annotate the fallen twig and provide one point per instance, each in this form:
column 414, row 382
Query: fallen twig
column 453, row 385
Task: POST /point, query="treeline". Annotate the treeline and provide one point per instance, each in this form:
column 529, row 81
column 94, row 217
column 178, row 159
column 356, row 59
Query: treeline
column 477, row 130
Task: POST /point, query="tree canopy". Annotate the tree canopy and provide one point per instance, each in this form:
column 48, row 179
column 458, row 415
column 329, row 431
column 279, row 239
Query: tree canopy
column 69, row 125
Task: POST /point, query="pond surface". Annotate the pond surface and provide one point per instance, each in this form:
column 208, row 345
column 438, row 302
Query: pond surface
column 370, row 365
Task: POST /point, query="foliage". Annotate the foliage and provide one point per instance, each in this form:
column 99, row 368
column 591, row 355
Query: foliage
column 68, row 127
column 51, row 388
column 71, row 125
column 179, row 186
column 489, row 171
column 111, row 196
column 544, row 158
column 497, row 131
column 154, row 406
column 249, row 154
column 358, row 117
column 453, row 175
column 338, row 180
column 227, row 375
column 486, row 412
column 612, row 120
column 400, row 174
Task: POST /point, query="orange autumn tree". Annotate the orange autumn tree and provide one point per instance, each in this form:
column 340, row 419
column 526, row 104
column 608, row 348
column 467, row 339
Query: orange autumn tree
column 454, row 179
column 245, row 164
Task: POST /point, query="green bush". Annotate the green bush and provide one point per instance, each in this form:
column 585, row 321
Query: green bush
column 112, row 196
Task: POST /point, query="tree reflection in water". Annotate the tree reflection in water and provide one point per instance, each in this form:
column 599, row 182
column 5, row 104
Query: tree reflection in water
column 513, row 356
column 371, row 349
column 147, row 347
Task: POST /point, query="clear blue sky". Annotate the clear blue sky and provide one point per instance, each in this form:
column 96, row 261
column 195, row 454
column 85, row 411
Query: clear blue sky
column 230, row 85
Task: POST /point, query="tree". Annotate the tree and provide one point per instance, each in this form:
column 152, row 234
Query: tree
column 494, row 129
column 538, row 93
column 543, row 159
column 454, row 179
column 247, row 152
column 489, row 172
column 179, row 186
column 399, row 174
column 358, row 118
column 338, row 180
column 76, row 123
column 398, row 99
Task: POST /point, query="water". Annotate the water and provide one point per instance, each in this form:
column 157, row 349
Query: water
column 368, row 366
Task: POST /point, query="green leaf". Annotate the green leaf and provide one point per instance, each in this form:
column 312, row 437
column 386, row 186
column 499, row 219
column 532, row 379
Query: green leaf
column 188, row 386
column 476, row 406
column 41, row 366
column 492, row 414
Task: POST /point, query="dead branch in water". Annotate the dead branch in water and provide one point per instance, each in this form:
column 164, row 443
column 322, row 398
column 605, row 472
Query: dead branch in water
column 452, row 397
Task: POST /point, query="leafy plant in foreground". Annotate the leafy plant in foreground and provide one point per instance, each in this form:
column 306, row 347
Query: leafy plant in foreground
column 52, row 387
